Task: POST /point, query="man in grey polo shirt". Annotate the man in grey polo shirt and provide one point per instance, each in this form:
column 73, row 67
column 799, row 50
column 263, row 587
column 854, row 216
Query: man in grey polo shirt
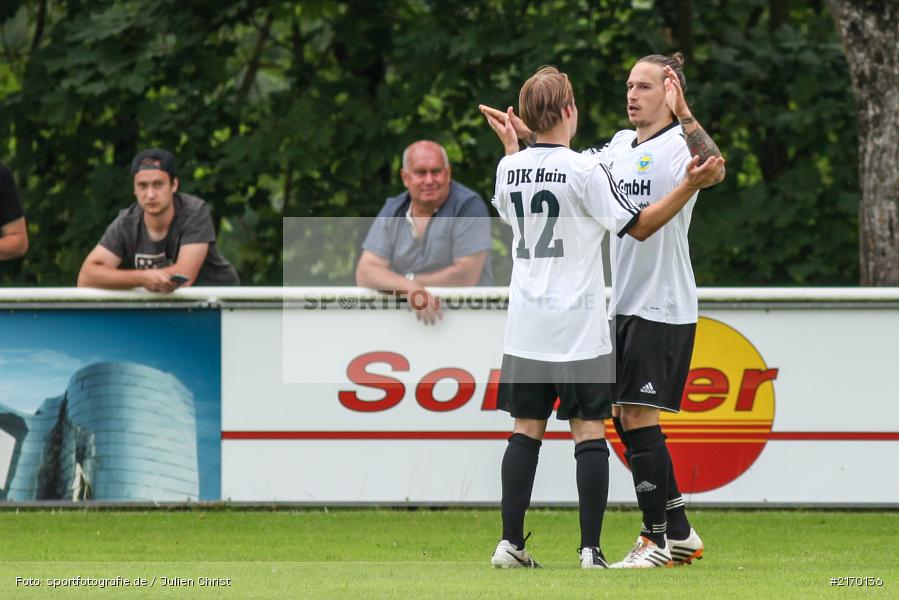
column 437, row 233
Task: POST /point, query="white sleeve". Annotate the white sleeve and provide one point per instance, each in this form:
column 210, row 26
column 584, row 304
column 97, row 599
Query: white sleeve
column 600, row 153
column 606, row 202
column 500, row 200
column 603, row 152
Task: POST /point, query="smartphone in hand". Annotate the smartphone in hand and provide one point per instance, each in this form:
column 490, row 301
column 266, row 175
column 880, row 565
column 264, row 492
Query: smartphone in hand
column 179, row 280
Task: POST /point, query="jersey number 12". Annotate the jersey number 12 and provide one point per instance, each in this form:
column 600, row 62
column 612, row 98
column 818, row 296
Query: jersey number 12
column 546, row 247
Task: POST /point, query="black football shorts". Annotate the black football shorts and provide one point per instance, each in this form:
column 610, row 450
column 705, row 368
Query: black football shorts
column 653, row 361
column 528, row 388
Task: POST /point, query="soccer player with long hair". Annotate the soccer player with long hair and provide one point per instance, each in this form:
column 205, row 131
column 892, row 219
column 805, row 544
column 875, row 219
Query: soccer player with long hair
column 560, row 204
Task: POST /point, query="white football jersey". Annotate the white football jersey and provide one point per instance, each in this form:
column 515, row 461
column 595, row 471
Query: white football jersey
column 559, row 204
column 652, row 279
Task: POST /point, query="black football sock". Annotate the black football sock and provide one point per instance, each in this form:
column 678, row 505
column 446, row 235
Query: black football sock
column 518, row 470
column 592, row 458
column 678, row 525
column 649, row 468
column 622, row 435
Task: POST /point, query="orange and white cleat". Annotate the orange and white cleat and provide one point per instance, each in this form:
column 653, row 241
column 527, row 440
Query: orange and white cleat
column 645, row 554
column 684, row 551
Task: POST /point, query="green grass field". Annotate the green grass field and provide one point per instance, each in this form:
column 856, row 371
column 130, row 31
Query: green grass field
column 436, row 554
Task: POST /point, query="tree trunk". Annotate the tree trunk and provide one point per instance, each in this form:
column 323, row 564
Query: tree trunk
column 870, row 33
column 684, row 28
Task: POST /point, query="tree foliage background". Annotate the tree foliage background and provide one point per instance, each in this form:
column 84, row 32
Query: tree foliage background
column 302, row 109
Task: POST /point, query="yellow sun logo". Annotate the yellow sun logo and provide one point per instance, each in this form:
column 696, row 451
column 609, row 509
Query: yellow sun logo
column 644, row 163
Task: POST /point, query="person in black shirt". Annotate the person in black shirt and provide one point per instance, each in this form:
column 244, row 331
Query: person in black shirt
column 13, row 233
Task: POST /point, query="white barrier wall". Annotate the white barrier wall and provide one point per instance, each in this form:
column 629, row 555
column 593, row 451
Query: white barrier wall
column 338, row 395
column 348, row 400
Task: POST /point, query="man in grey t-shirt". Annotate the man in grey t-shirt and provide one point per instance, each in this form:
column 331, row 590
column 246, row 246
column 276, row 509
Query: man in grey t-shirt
column 163, row 241
column 437, row 233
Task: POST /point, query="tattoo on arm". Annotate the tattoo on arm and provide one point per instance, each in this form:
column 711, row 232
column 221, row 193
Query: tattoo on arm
column 687, row 120
column 699, row 143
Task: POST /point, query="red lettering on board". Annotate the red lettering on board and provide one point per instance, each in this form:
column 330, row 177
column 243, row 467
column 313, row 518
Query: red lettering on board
column 490, row 393
column 393, row 388
column 424, row 392
column 704, row 382
column 752, row 379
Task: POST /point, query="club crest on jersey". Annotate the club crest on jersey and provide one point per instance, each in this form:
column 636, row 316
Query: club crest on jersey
column 643, row 164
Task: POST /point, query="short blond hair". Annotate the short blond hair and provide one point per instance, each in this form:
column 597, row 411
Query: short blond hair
column 543, row 97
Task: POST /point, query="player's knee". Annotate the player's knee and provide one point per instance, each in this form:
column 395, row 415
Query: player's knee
column 583, row 430
column 635, row 417
column 532, row 428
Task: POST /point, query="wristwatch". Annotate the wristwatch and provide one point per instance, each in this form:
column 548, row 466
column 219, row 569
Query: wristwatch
column 410, row 276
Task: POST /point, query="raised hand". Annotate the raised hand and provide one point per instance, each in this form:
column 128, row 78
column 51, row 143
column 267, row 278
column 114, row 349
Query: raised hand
column 502, row 126
column 674, row 95
column 705, row 174
column 521, row 130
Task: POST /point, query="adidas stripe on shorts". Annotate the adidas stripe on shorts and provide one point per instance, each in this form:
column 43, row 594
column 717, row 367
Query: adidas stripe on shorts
column 653, row 361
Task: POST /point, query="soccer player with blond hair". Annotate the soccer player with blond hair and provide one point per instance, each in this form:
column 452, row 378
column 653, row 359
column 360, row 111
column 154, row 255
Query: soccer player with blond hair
column 654, row 300
column 560, row 204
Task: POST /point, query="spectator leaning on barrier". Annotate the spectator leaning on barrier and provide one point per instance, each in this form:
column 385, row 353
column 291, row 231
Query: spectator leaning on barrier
column 164, row 240
column 435, row 234
column 13, row 233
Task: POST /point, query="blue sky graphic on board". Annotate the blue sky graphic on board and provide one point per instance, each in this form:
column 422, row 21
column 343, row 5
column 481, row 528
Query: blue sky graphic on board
column 40, row 351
